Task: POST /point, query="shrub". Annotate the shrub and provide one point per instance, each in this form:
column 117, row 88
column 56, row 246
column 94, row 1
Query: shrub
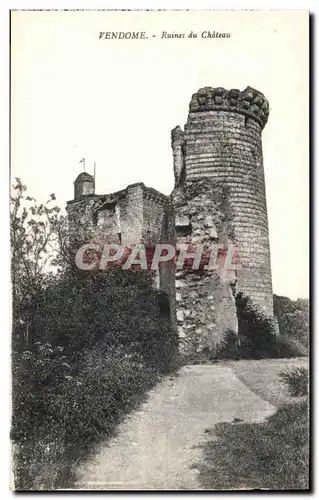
column 86, row 345
column 293, row 318
column 59, row 403
column 105, row 341
column 286, row 347
column 116, row 307
column 296, row 380
column 273, row 454
column 257, row 334
column 229, row 347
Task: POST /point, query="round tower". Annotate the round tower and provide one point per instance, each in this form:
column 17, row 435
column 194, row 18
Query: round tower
column 83, row 185
column 222, row 142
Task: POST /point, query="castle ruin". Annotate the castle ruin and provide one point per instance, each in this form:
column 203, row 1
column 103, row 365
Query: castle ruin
column 218, row 198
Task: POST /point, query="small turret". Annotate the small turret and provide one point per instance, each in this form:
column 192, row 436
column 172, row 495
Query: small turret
column 83, row 185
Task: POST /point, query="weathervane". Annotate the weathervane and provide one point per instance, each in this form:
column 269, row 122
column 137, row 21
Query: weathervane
column 83, row 161
column 94, row 171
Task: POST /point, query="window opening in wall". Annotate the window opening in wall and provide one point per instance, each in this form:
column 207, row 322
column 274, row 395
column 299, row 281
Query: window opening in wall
column 182, row 231
column 107, row 209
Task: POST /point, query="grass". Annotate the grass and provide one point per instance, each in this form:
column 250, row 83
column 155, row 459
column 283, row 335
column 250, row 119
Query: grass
column 297, row 381
column 269, row 455
column 273, row 454
column 263, row 377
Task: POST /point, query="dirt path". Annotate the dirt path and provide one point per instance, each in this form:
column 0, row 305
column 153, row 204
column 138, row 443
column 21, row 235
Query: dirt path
column 157, row 446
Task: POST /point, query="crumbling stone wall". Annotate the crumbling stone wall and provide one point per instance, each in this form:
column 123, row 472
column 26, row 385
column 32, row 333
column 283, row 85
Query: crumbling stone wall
column 158, row 227
column 205, row 302
column 137, row 214
column 155, row 210
column 80, row 219
column 131, row 214
column 109, row 218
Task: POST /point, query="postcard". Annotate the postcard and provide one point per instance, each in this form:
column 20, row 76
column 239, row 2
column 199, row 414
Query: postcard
column 159, row 236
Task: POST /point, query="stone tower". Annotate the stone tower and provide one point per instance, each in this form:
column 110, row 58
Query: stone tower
column 218, row 199
column 83, row 185
column 220, row 151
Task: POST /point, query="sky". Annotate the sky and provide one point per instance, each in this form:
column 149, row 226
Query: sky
column 74, row 95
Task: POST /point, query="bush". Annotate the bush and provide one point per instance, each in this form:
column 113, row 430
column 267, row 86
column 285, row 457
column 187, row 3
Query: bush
column 229, row 347
column 111, row 308
column 105, row 341
column 296, row 380
column 286, row 347
column 256, row 332
column 61, row 405
column 86, row 345
column 257, row 338
column 293, row 318
column 267, row 455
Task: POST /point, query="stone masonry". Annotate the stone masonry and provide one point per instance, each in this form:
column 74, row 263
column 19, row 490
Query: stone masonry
column 205, row 300
column 137, row 214
column 218, row 198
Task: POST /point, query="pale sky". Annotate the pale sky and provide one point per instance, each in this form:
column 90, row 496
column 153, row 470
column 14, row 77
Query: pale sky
column 116, row 101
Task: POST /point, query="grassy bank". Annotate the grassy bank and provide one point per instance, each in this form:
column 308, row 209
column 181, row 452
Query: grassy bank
column 273, row 454
column 270, row 455
column 263, row 377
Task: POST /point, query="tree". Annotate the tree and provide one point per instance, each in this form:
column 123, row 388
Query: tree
column 257, row 334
